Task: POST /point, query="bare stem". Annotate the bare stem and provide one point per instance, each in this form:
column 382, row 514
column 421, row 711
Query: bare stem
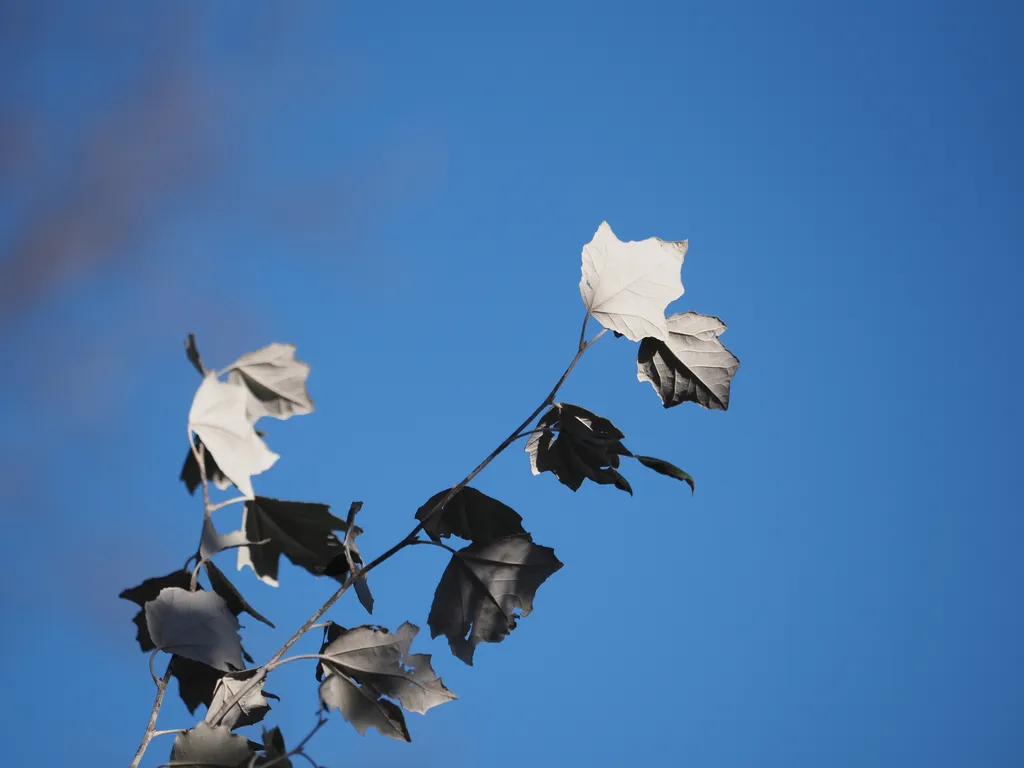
column 161, row 689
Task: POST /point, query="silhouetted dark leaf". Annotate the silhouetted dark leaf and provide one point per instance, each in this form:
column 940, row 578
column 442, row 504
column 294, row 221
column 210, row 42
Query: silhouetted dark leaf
column 190, row 471
column 470, row 515
column 664, row 468
column 196, row 681
column 626, row 286
column 146, row 591
column 374, row 656
column 251, row 708
column 586, row 446
column 192, row 353
column 299, row 530
column 691, row 364
column 274, row 749
column 363, row 706
column 483, row 586
column 207, row 747
column 196, row 625
column 237, row 604
column 218, row 416
column 276, row 382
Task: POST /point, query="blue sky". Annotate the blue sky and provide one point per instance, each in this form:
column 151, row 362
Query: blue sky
column 403, row 191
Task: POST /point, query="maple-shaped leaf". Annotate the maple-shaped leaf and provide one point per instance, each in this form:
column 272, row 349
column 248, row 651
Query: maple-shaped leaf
column 218, row 417
column 147, row 591
column 251, row 708
column 276, row 382
column 669, row 470
column 470, row 515
column 274, row 750
column 301, row 531
column 237, row 604
column 575, row 444
column 196, row 625
column 626, row 286
column 363, row 706
column 376, row 657
column 691, row 364
column 483, row 587
column 206, row 746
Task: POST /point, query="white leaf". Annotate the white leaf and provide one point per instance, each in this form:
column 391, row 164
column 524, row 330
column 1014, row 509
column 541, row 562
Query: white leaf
column 276, row 382
column 218, row 416
column 626, row 286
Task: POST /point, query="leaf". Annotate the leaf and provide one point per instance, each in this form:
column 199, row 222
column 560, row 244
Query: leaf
column 299, row 530
column 218, row 417
column 190, row 475
column 192, row 353
column 196, row 625
column 274, row 749
column 147, row 591
column 208, row 747
column 237, row 604
column 374, row 656
column 692, row 365
column 196, row 681
column 363, row 707
column 470, row 515
column 626, row 286
column 213, row 542
column 483, row 586
column 276, row 382
column 664, row 468
column 587, row 446
column 251, row 708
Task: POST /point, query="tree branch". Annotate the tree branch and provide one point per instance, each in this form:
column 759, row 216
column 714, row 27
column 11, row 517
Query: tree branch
column 161, row 689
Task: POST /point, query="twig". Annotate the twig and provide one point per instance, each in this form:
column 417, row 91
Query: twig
column 228, row 503
column 151, row 731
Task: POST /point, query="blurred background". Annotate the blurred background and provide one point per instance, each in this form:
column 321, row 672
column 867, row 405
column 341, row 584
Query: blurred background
column 403, row 190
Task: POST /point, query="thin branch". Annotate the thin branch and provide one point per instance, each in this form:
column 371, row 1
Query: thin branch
column 228, row 503
column 434, row 544
column 161, row 689
column 168, row 732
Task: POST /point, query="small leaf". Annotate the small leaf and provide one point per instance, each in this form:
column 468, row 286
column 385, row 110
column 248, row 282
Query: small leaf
column 301, row 531
column 364, row 707
column 251, row 708
column 237, row 604
column 363, row 593
column 470, row 515
column 276, row 382
column 207, row 747
column 274, row 749
column 147, row 591
column 483, row 586
column 196, row 625
column 587, row 446
column 190, row 475
column 670, row 470
column 213, row 542
column 691, row 365
column 218, row 417
column 196, row 681
column 626, row 286
column 192, row 353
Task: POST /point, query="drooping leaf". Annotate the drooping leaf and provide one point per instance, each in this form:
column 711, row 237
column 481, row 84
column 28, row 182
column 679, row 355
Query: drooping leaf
column 299, row 530
column 192, row 353
column 587, row 446
column 276, row 382
column 363, row 706
column 337, row 568
column 196, row 681
column 251, row 708
column 374, row 656
column 190, row 475
column 691, row 364
column 274, row 749
column 483, row 587
column 669, row 470
column 237, row 604
column 196, row 625
column 147, row 591
column 218, row 417
column 206, row 746
column 470, row 515
column 626, row 286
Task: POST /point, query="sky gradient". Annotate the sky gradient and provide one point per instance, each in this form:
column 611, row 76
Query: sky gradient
column 403, row 191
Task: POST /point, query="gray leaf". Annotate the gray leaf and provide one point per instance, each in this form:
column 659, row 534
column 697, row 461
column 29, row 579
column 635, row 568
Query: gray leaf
column 208, row 747
column 251, row 708
column 483, row 586
column 218, row 417
column 237, row 604
column 274, row 749
column 470, row 515
column 276, row 382
column 626, row 286
column 669, row 470
column 196, row 625
column 692, row 365
column 363, row 706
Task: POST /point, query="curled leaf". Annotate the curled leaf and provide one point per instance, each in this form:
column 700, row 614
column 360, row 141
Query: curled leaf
column 276, row 382
column 669, row 470
column 470, row 515
column 249, row 709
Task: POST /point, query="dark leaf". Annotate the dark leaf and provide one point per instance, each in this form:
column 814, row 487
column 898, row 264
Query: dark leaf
column 196, row 681
column 483, row 586
column 207, row 747
column 274, row 748
column 146, row 591
column 223, row 587
column 664, row 468
column 190, row 470
column 192, row 353
column 692, row 365
column 363, row 706
column 196, row 625
column 276, row 382
column 470, row 515
column 251, row 708
column 301, row 531
column 587, row 446
column 364, row 594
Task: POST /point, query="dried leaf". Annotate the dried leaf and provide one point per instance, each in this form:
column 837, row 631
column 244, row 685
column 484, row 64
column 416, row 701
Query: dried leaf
column 483, row 586
column 363, row 706
column 664, row 468
column 218, row 417
column 196, row 625
column 275, row 380
column 207, row 747
column 251, row 708
column 626, row 286
column 470, row 515
column 691, row 365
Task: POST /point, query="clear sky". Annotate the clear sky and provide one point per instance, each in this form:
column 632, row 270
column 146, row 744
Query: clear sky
column 403, row 191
